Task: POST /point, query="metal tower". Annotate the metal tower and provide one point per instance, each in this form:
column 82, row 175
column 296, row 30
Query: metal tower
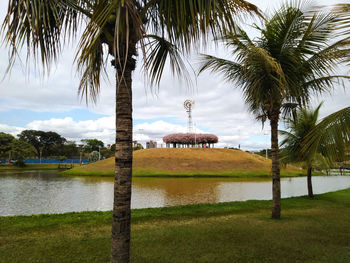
column 188, row 105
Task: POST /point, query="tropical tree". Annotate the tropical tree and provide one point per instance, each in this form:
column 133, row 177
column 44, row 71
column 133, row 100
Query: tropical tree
column 5, row 143
column 294, row 56
column 21, row 150
column 92, row 144
column 298, row 127
column 333, row 131
column 45, row 143
column 159, row 29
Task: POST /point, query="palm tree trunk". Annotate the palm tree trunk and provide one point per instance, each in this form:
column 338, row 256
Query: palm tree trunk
column 120, row 241
column 309, row 183
column 276, row 184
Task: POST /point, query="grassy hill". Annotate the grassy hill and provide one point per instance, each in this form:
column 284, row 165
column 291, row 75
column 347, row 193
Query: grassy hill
column 189, row 162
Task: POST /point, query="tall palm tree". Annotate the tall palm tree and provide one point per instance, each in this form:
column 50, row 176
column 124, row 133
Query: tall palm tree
column 298, row 127
column 294, row 56
column 160, row 29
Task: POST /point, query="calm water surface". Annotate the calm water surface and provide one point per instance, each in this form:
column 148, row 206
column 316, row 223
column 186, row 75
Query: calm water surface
column 36, row 192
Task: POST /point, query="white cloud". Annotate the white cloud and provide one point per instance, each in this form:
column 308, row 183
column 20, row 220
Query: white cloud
column 13, row 130
column 103, row 129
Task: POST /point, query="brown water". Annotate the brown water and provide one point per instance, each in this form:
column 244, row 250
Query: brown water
column 36, row 192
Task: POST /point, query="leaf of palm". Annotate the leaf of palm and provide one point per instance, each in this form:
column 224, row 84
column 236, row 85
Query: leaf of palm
column 333, row 132
column 158, row 51
column 40, row 25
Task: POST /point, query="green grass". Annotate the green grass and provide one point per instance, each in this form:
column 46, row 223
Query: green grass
column 309, row 231
column 43, row 166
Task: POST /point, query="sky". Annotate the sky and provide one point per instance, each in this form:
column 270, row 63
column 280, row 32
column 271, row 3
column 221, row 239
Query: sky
column 51, row 103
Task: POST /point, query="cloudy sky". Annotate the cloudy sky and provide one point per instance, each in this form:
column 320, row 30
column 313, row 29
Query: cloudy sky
column 30, row 101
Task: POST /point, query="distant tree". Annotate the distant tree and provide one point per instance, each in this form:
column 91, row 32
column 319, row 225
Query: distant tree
column 21, row 150
column 47, row 142
column 263, row 153
column 61, row 158
column 70, row 149
column 5, row 143
column 335, row 130
column 137, row 146
column 107, row 152
column 92, row 144
column 94, row 156
column 293, row 141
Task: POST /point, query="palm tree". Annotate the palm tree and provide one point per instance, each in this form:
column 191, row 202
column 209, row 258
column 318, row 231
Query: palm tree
column 311, row 141
column 159, row 29
column 333, row 131
column 299, row 127
column 294, row 56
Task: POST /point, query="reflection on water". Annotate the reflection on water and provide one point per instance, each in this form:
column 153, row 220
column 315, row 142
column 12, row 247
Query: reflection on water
column 35, row 192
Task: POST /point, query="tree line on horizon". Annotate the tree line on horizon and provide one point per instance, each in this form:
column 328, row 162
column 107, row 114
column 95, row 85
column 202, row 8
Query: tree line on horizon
column 42, row 144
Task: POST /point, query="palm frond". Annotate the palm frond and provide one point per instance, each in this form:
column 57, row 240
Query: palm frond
column 191, row 21
column 333, row 132
column 40, row 25
column 293, row 140
column 343, row 19
column 158, row 51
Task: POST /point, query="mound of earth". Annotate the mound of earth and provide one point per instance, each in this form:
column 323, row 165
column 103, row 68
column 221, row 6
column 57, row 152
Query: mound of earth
column 187, row 162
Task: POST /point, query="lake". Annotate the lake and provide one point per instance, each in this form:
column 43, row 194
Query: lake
column 37, row 192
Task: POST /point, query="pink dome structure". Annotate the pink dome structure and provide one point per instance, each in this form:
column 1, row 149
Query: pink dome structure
column 190, row 139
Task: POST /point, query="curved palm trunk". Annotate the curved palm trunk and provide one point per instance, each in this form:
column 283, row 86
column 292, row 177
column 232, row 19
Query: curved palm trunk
column 276, row 184
column 120, row 242
column 309, row 183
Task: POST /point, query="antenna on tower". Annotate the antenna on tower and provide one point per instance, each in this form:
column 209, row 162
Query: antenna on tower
column 188, row 105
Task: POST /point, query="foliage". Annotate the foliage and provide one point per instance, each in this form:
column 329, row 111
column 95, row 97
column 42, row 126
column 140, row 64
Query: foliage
column 263, row 153
column 295, row 55
column 5, row 143
column 69, row 149
column 47, row 142
column 61, row 158
column 94, row 156
column 92, row 145
column 21, row 150
column 137, row 146
column 190, row 138
column 334, row 132
column 294, row 137
column 19, row 163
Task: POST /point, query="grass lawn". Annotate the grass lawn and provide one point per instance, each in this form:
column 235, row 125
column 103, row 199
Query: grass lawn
column 43, row 166
column 309, row 231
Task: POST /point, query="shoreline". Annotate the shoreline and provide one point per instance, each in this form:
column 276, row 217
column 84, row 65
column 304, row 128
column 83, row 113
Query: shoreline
column 233, row 174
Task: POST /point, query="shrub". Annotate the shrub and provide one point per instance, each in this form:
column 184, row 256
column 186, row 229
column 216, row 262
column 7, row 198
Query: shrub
column 19, row 163
column 94, row 156
column 190, row 138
